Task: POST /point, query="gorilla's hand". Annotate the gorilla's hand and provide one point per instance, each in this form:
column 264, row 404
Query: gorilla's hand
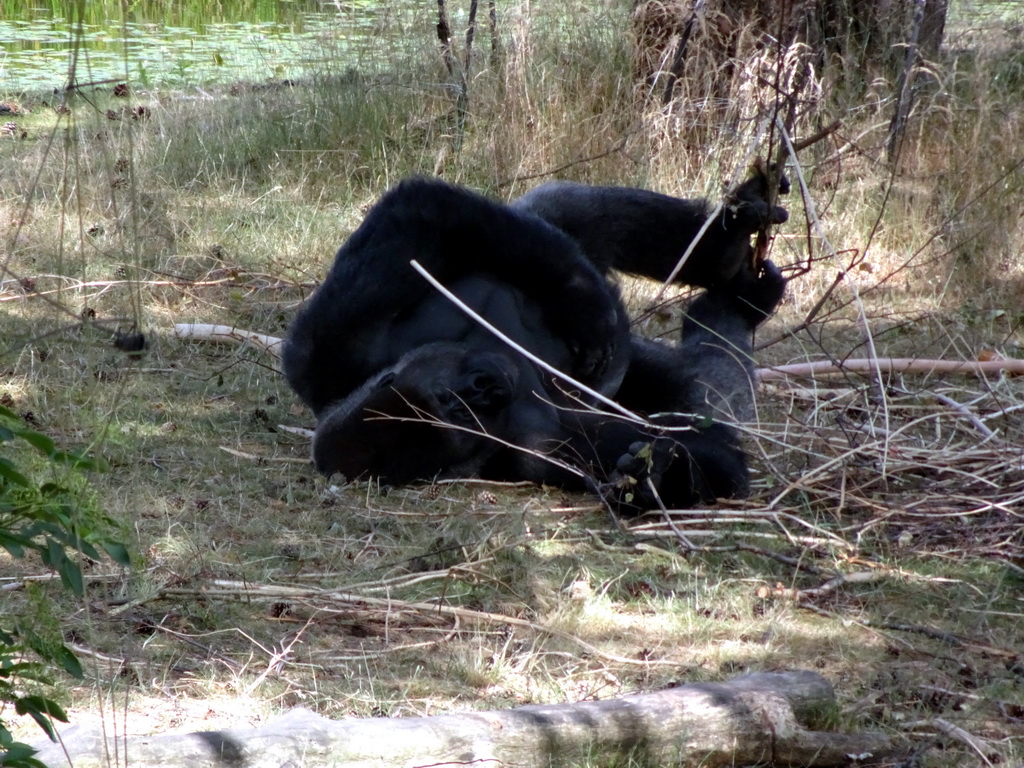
column 633, row 486
column 757, row 290
column 588, row 316
column 747, row 205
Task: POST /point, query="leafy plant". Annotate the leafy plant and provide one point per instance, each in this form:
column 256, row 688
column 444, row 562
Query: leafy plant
column 53, row 520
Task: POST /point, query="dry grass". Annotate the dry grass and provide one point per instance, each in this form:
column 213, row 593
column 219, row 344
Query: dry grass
column 882, row 544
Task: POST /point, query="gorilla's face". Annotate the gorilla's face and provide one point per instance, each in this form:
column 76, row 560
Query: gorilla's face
column 431, row 412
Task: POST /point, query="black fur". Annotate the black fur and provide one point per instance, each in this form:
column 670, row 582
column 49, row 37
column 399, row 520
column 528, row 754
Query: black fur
column 407, row 388
column 642, row 232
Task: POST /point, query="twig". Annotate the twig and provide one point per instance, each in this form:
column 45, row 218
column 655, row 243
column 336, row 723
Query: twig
column 964, row 411
column 444, row 35
column 205, row 332
column 859, row 577
column 617, row 147
column 712, row 217
column 809, row 318
column 980, row 746
column 518, row 348
column 325, row 598
column 890, row 365
column 675, row 68
column 904, row 88
column 270, row 460
column 814, row 138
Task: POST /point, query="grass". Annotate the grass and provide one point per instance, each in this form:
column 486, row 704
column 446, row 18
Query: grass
column 227, row 206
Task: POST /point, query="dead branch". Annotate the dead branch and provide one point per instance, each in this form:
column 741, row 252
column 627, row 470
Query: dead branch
column 890, row 365
column 675, row 69
column 814, row 138
column 206, row 332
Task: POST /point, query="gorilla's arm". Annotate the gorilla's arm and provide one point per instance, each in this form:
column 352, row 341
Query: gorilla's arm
column 340, row 337
column 646, row 233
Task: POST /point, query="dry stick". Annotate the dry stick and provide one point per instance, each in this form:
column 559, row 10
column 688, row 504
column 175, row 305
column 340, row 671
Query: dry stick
column 78, row 286
column 774, row 174
column 444, row 34
column 816, row 223
column 809, row 317
column 904, row 88
column 834, row 583
column 206, row 332
column 814, row 138
column 674, row 69
column 890, row 365
column 524, row 352
column 964, row 411
column 948, row 729
column 272, row 345
column 805, row 193
column 316, row 598
column 619, row 146
column 876, row 372
column 424, row 417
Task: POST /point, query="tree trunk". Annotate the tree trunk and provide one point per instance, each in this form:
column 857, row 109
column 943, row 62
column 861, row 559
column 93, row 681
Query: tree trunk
column 759, row 718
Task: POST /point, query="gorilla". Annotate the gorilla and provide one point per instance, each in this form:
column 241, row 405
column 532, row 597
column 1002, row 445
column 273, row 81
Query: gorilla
column 646, row 233
column 407, row 388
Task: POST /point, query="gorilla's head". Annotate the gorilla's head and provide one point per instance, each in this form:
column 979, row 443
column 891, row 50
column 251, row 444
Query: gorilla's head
column 430, row 414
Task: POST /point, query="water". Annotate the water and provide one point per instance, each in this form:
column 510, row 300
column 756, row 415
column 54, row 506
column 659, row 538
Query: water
column 169, row 43
column 156, row 43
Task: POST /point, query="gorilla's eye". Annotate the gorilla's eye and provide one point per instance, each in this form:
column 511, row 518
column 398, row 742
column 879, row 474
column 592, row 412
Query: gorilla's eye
column 385, row 380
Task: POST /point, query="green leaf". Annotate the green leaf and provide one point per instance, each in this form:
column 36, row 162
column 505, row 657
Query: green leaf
column 29, row 671
column 38, row 440
column 69, row 662
column 53, row 555
column 28, row 704
column 71, row 575
column 78, row 461
column 8, row 471
column 14, row 544
column 41, row 710
column 118, row 552
column 19, row 755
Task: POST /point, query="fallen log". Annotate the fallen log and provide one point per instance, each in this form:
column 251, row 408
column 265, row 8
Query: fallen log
column 760, row 718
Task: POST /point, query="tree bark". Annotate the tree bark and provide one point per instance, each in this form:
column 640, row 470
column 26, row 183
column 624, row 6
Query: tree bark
column 754, row 719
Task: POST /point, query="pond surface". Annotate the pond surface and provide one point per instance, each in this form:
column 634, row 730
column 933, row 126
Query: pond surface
column 171, row 43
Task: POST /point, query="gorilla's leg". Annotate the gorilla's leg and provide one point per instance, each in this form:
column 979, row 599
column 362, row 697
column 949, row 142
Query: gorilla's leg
column 717, row 338
column 709, row 376
column 646, row 233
